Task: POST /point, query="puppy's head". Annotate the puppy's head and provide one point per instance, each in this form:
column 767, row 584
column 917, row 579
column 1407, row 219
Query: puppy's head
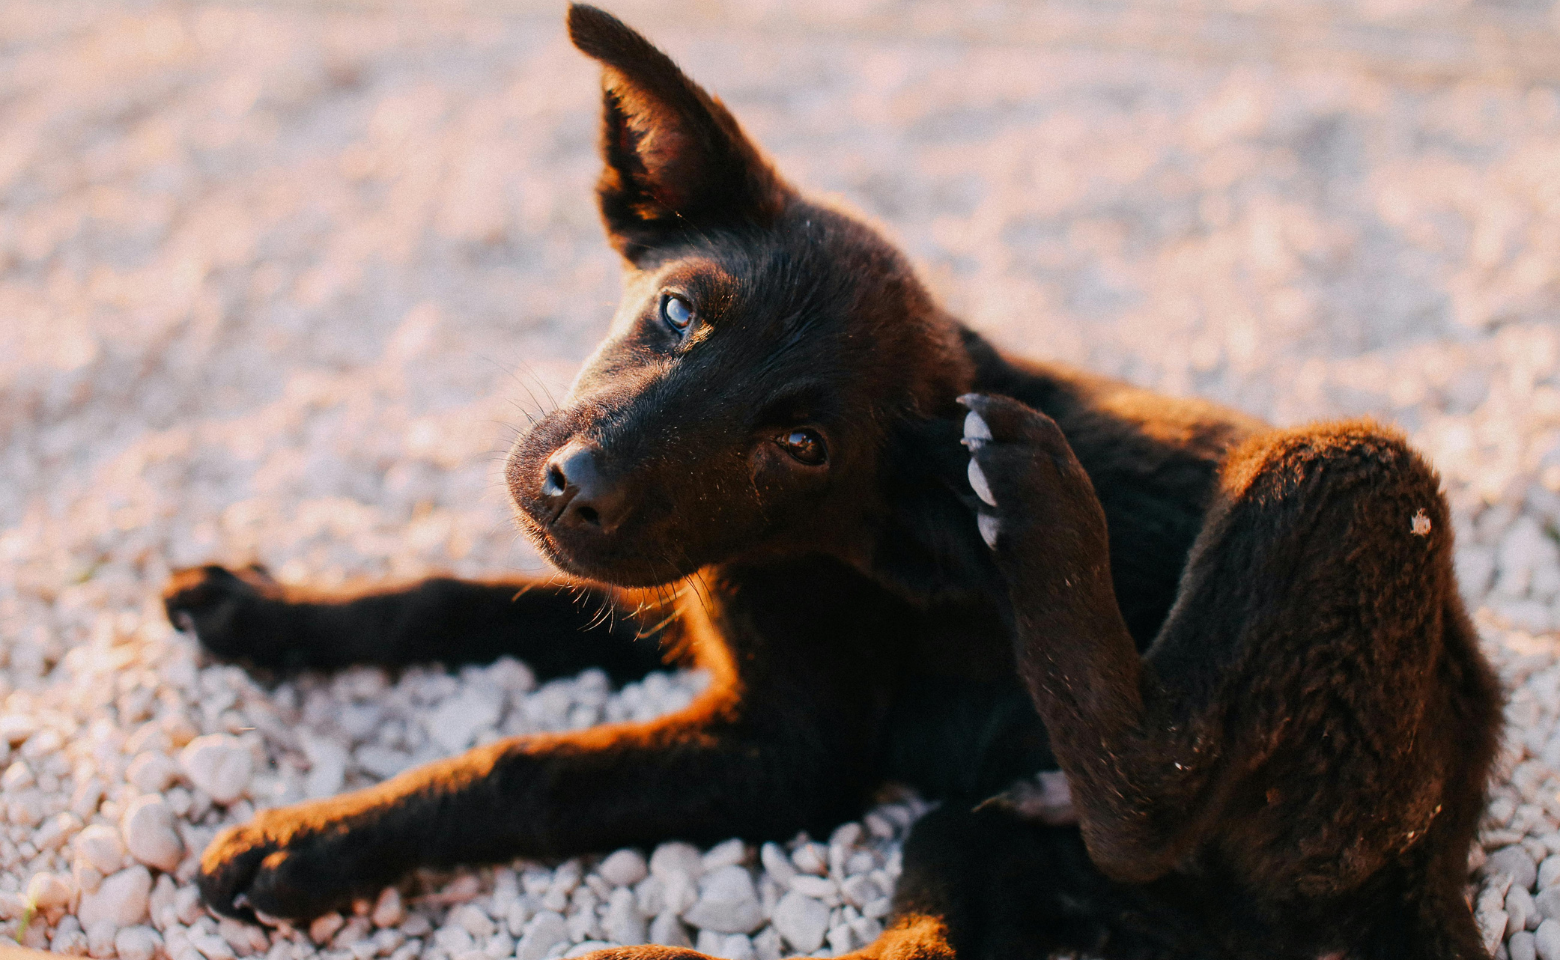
column 766, row 353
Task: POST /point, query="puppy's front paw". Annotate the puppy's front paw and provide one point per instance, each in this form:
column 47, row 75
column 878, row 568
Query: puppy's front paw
column 283, row 864
column 1024, row 474
column 232, row 613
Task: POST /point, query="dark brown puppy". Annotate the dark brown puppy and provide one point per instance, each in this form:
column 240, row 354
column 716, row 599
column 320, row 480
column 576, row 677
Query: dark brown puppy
column 1244, row 647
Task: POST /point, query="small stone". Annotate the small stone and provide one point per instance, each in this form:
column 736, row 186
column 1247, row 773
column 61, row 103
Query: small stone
column 187, row 906
column 1547, row 903
column 137, row 943
column 736, row 947
column 820, row 888
column 811, row 858
column 676, row 858
column 1522, row 946
column 1547, row 940
column 100, row 939
column 388, row 910
column 1549, row 872
column 121, row 899
column 727, row 854
column 667, row 930
column 69, row 938
column 1514, row 862
column 246, row 939
column 623, row 922
column 211, row 946
column 776, row 863
column 545, row 931
column 802, row 921
column 56, row 830
column 15, row 728
column 151, row 835
column 841, row 940
column 325, row 927
column 624, row 868
column 768, row 945
column 728, row 903
column 1521, row 909
column 458, row 720
column 327, row 766
column 50, row 891
column 471, row 918
column 152, row 771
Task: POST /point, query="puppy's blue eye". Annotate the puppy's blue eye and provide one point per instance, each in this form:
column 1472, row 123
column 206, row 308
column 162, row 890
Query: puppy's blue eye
column 676, row 311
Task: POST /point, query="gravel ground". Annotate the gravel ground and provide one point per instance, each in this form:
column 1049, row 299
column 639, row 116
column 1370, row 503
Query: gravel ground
column 278, row 283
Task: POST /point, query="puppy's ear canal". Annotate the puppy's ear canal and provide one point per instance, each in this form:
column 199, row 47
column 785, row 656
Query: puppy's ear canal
column 676, row 162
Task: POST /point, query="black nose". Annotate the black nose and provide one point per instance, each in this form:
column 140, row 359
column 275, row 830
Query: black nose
column 578, row 493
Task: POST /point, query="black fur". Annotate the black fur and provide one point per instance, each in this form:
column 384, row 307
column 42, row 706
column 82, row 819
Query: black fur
column 1243, row 646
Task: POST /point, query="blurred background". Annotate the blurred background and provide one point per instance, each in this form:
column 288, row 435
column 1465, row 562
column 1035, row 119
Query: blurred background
column 280, row 281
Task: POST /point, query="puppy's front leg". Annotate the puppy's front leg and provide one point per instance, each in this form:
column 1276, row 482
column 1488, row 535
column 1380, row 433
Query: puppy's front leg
column 698, row 774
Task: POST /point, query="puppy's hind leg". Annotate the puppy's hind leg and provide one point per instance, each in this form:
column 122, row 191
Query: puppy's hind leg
column 1314, row 722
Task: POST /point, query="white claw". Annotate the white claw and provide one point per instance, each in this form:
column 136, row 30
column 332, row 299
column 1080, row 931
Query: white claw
column 976, row 430
column 988, row 528
column 979, row 485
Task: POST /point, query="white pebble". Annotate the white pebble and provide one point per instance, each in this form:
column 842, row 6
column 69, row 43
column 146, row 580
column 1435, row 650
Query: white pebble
column 388, row 909
column 68, row 938
column 151, row 835
column 15, row 728
column 624, row 868
column 776, row 863
column 768, row 945
column 676, row 858
column 137, row 943
column 1547, row 940
column 327, row 766
column 457, row 721
column 326, row 926
column 1521, row 909
column 727, row 854
column 473, row 921
column 545, row 931
column 728, row 903
column 121, row 899
column 1547, row 903
column 152, row 771
column 666, row 929
column 1523, row 945
column 50, row 891
column 1514, row 862
column 219, row 765
column 811, row 858
column 623, row 922
column 802, row 920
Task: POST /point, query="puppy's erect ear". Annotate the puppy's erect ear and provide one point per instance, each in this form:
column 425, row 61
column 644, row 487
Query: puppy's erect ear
column 676, row 160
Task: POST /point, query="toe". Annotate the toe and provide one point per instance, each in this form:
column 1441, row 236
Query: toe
column 989, row 527
column 978, row 483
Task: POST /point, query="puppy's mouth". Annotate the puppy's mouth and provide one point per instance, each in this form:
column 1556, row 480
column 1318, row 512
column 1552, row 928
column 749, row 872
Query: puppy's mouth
column 586, row 535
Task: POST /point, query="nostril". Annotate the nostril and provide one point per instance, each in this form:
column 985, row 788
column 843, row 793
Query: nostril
column 554, row 482
column 588, row 514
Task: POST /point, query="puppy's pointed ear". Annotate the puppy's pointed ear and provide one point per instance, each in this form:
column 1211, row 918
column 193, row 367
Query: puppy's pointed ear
column 676, row 160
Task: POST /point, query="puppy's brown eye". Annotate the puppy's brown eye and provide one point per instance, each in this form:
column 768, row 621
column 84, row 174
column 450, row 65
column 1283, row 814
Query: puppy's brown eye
column 676, row 311
column 804, row 446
